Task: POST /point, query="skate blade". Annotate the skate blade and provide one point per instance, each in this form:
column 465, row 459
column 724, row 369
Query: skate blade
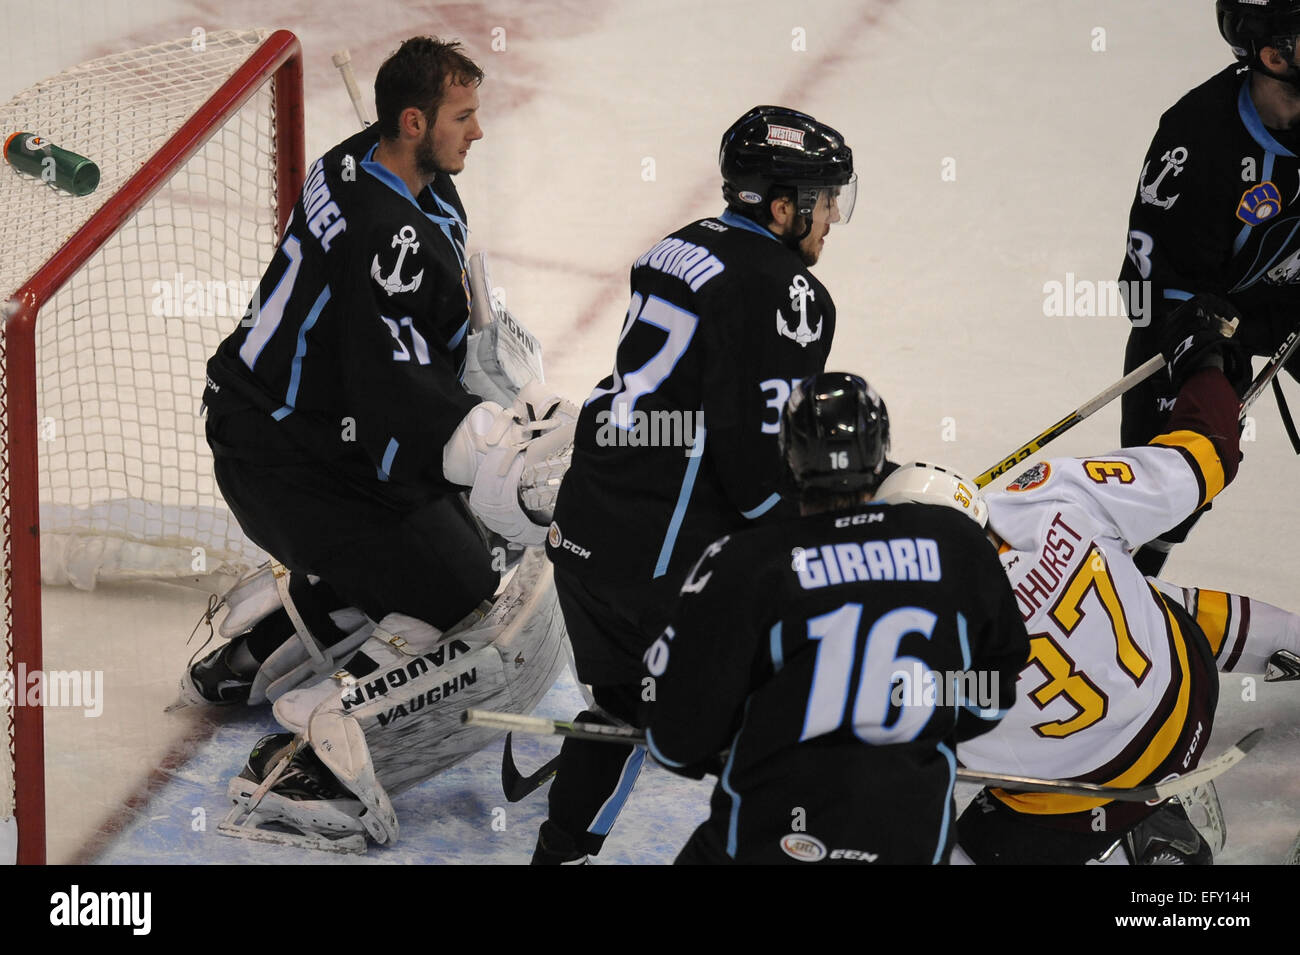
column 251, row 829
column 187, row 696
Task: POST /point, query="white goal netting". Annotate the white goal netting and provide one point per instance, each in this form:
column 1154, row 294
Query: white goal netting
column 126, row 486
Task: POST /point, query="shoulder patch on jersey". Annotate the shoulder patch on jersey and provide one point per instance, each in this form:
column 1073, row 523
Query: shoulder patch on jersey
column 1103, row 472
column 1259, row 203
column 1036, row 476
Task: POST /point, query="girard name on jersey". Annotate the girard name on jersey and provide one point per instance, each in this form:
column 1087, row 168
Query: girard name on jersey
column 899, row 558
column 691, row 263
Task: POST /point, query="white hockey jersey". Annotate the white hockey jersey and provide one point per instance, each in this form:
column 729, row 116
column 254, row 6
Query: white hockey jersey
column 1111, row 685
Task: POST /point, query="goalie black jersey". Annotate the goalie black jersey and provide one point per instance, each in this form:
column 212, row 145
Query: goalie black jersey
column 679, row 444
column 1217, row 210
column 839, row 659
column 352, row 350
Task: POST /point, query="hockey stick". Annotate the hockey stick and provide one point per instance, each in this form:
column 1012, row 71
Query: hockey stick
column 516, row 785
column 343, row 60
column 1266, row 374
column 1085, row 410
column 1135, row 377
column 1148, row 792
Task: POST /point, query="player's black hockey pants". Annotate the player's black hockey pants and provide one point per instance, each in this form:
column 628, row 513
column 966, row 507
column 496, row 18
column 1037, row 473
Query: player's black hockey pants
column 428, row 562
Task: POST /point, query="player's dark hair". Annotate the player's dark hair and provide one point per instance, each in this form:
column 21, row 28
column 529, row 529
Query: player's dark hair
column 417, row 75
column 816, row 501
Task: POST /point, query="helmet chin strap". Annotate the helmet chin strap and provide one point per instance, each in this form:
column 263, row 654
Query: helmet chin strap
column 791, row 240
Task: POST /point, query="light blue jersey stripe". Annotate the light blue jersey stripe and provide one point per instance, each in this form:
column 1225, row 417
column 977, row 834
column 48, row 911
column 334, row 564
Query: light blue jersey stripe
column 763, row 508
column 455, row 339
column 774, row 639
column 295, row 376
column 386, row 466
column 612, row 806
column 749, row 225
column 965, row 643
column 947, row 802
column 683, row 499
column 654, row 751
column 725, row 782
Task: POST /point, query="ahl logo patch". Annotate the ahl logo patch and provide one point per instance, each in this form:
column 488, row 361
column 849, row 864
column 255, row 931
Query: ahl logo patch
column 1259, row 203
column 803, row 847
column 1035, row 477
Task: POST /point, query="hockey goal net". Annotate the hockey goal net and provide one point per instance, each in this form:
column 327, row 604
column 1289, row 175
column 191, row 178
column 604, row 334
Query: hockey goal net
column 113, row 303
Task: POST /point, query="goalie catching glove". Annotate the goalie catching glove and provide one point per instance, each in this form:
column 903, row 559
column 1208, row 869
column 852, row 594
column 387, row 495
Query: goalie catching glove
column 513, row 460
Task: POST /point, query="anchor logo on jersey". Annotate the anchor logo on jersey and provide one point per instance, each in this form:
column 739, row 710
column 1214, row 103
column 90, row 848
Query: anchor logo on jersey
column 393, row 284
column 800, row 292
column 1174, row 160
column 695, row 584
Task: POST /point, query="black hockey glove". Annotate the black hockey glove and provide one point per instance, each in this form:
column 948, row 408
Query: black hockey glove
column 1196, row 333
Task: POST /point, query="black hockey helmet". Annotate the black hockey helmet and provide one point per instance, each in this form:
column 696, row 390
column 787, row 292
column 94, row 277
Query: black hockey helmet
column 772, row 146
column 1251, row 25
column 834, row 435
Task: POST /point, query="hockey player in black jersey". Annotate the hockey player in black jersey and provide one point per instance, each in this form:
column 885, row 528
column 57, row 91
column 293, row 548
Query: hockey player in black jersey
column 677, row 446
column 340, row 426
column 1216, row 212
column 838, row 657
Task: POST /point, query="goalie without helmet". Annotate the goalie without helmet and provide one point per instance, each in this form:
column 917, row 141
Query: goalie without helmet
column 348, row 446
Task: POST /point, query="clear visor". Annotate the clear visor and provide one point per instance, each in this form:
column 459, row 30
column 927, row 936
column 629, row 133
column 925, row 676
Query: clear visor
column 836, row 202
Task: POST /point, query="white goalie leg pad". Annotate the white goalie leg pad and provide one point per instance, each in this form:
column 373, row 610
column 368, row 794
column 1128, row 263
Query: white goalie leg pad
column 396, row 644
column 253, row 598
column 291, row 664
column 418, row 732
column 260, row 594
column 340, row 743
column 400, row 724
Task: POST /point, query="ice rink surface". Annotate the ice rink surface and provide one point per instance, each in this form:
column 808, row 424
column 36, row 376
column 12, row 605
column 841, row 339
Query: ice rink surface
column 998, row 145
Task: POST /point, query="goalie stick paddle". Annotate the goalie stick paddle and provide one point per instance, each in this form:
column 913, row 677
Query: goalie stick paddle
column 516, row 785
column 1148, row 792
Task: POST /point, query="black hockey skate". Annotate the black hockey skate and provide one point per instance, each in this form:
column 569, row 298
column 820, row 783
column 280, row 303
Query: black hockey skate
column 1167, row 837
column 305, row 803
column 214, row 681
column 557, row 847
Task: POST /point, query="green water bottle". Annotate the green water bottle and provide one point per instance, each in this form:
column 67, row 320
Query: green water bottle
column 32, row 154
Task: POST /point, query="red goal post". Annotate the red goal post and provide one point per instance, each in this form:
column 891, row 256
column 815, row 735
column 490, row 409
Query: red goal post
column 273, row 58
